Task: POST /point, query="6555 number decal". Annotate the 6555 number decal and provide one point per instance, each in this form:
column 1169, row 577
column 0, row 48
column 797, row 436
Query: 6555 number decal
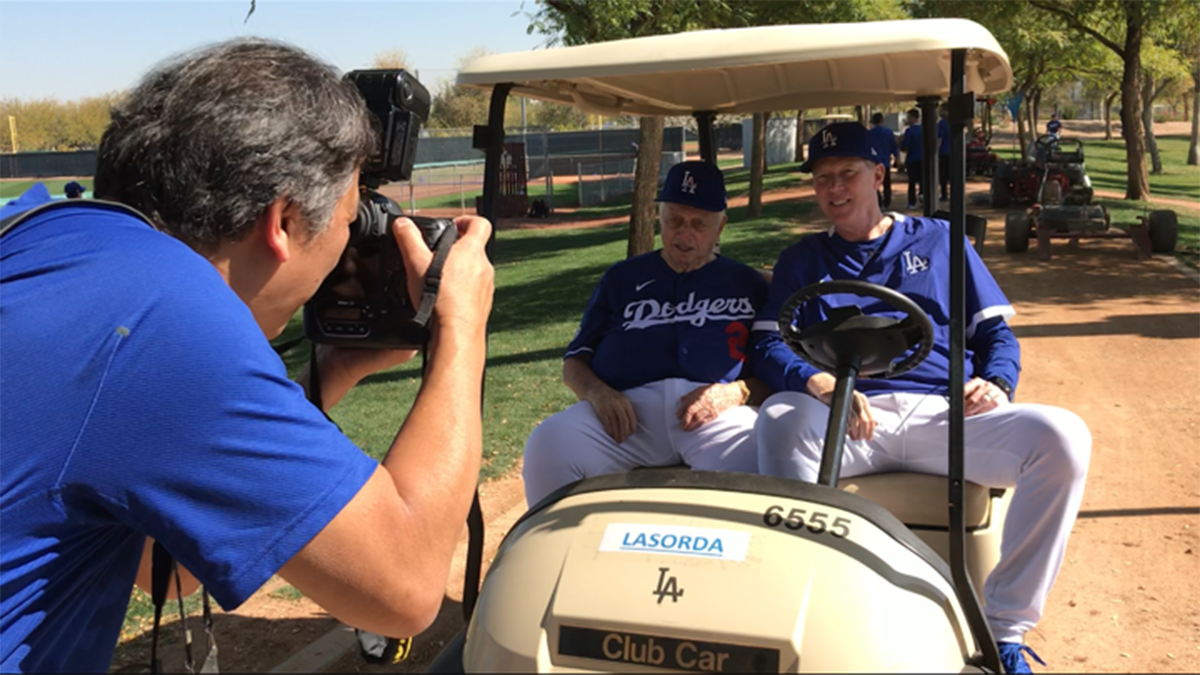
column 799, row 519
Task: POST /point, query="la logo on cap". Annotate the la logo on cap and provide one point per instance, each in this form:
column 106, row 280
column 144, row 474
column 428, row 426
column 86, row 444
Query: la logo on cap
column 828, row 140
column 688, row 184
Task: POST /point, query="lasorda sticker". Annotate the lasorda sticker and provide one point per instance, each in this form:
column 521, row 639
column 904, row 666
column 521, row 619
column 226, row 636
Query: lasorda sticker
column 696, row 542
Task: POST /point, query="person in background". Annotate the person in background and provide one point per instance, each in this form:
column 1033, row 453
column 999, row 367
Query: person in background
column 910, row 143
column 885, row 145
column 74, row 190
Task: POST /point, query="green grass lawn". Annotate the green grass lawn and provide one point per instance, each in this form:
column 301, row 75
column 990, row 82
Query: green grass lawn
column 543, row 281
column 1105, row 161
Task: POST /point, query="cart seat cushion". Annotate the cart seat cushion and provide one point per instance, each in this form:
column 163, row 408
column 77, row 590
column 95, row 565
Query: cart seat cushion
column 920, row 500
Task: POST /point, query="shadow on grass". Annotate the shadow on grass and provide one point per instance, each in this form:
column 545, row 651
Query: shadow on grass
column 551, row 297
column 399, row 374
column 525, row 245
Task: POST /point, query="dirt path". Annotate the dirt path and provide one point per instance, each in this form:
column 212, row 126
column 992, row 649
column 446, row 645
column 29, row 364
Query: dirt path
column 1112, row 338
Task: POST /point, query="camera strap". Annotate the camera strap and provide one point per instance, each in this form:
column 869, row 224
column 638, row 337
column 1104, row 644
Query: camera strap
column 433, row 277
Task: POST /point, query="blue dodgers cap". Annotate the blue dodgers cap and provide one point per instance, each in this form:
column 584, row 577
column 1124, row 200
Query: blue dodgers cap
column 73, row 189
column 697, row 184
column 841, row 139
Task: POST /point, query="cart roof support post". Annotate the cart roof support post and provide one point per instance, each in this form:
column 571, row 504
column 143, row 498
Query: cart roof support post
column 491, row 140
column 929, row 148
column 961, row 112
column 706, row 133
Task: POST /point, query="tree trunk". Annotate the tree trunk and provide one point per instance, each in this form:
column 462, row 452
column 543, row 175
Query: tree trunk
column 1108, row 101
column 766, row 128
column 1030, row 124
column 1149, row 91
column 1137, row 181
column 645, row 186
column 1033, row 112
column 801, row 141
column 1021, row 136
column 758, row 152
column 1192, row 160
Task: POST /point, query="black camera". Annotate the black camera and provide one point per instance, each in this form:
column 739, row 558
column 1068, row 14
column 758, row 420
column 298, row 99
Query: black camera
column 364, row 302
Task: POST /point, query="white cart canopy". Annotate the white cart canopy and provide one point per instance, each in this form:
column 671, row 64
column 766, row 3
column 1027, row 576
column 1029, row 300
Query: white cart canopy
column 759, row 69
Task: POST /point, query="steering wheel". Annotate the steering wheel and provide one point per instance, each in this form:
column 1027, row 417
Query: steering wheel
column 1047, row 144
column 875, row 341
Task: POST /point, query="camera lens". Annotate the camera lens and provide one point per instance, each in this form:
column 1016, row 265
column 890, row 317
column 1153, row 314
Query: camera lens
column 404, row 92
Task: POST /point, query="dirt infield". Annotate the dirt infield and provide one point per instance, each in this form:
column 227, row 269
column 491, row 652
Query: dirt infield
column 1112, row 338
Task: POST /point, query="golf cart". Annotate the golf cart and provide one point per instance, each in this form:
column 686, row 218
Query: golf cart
column 720, row 572
column 1063, row 207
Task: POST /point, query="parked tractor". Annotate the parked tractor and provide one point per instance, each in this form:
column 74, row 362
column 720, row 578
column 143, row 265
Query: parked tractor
column 1063, row 207
column 1053, row 174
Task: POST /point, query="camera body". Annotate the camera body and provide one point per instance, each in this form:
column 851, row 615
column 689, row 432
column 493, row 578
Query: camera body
column 364, row 302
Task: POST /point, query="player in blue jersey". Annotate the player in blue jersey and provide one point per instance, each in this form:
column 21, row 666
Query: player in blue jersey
column 887, row 151
column 1054, row 126
column 658, row 361
column 142, row 399
column 910, row 143
column 899, row 424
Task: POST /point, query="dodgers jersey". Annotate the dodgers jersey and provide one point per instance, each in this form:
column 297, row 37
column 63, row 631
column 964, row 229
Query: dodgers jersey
column 646, row 322
column 912, row 257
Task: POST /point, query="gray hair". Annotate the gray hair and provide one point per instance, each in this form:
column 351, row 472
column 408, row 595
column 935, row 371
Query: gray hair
column 208, row 140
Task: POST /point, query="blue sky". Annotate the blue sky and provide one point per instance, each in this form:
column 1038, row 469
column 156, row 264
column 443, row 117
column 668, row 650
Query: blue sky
column 68, row 50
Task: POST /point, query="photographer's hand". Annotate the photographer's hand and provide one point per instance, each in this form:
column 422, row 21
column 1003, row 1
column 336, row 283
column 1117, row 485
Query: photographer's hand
column 417, row 501
column 465, row 294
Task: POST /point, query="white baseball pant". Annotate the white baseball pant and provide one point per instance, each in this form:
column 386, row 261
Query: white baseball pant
column 1040, row 450
column 573, row 445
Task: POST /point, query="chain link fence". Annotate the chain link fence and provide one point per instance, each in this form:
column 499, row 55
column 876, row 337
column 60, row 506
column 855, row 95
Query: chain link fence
column 598, row 182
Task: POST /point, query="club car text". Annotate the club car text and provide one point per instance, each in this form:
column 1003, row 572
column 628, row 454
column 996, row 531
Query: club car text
column 657, row 651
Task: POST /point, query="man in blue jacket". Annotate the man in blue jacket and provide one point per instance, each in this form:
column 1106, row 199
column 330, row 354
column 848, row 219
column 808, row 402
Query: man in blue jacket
column 899, row 424
column 943, row 132
column 885, row 146
column 910, row 143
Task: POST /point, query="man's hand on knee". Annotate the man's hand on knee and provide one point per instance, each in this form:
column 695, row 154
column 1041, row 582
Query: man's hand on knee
column 615, row 412
column 861, row 424
column 704, row 404
column 981, row 396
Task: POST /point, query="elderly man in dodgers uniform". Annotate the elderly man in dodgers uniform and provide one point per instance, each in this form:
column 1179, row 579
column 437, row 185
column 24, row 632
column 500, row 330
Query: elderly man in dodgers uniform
column 658, row 360
column 899, row 424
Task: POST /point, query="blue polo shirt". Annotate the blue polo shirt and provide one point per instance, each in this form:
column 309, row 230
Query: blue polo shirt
column 910, row 143
column 943, row 132
column 885, row 145
column 141, row 399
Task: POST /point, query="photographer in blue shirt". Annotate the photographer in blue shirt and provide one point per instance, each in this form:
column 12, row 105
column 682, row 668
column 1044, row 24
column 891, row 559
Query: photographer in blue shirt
column 143, row 401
